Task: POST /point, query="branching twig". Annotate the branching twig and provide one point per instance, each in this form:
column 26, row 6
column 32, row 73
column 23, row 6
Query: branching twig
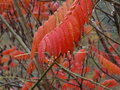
column 68, row 71
column 15, row 34
column 99, row 30
column 113, row 1
column 43, row 75
column 22, row 21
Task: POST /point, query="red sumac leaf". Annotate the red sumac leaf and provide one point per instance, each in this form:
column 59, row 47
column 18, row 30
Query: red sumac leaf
column 108, row 83
column 30, row 67
column 4, row 60
column 114, row 69
column 80, row 56
column 27, row 85
column 41, row 50
column 89, row 6
column 114, row 46
column 8, row 51
column 89, row 84
column 83, row 4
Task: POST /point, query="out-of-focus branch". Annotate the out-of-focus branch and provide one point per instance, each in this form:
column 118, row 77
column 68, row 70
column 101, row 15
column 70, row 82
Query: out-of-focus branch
column 22, row 21
column 26, row 31
column 43, row 75
column 15, row 34
column 69, row 72
column 114, row 2
column 116, row 79
column 20, row 41
column 98, row 30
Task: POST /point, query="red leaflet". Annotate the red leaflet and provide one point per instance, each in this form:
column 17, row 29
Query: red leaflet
column 19, row 55
column 71, row 85
column 116, row 58
column 87, row 29
column 79, row 11
column 41, row 50
column 66, row 64
column 89, row 6
column 76, row 28
column 4, row 60
column 80, row 56
column 58, row 42
column 43, row 8
column 47, row 61
column 69, row 42
column 8, row 51
column 36, row 11
column 27, row 2
column 78, row 23
column 68, row 3
column 108, row 83
column 57, row 51
column 109, row 65
column 44, row 16
column 64, row 8
column 79, row 69
column 53, row 43
column 51, row 23
column 60, row 14
column 5, row 5
column 34, row 45
column 78, row 16
column 24, row 87
column 103, row 75
column 4, row 67
column 45, row 27
column 60, row 74
column 63, row 40
column 96, row 75
column 12, row 64
column 22, row 56
column 81, row 19
column 70, row 28
column 15, row 54
column 72, row 8
column 99, row 52
column 83, row 4
column 55, row 36
column 89, row 84
column 38, row 36
column 48, row 45
column 30, row 67
column 114, row 46
column 27, row 85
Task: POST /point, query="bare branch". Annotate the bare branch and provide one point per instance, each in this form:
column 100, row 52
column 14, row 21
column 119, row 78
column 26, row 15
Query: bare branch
column 22, row 21
column 114, row 2
column 15, row 34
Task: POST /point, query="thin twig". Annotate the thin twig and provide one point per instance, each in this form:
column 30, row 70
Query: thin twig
column 19, row 40
column 113, row 1
column 43, row 75
column 15, row 34
column 100, row 31
column 22, row 21
column 68, row 71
